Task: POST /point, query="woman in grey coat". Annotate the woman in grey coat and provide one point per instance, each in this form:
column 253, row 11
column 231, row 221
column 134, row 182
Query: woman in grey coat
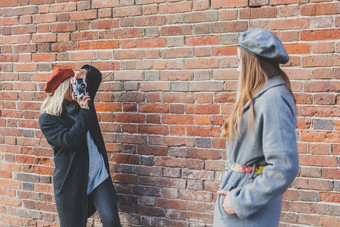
column 262, row 157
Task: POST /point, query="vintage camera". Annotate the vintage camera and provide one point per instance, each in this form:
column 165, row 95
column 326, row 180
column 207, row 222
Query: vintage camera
column 79, row 88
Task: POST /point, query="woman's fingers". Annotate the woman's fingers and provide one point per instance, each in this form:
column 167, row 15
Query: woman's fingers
column 226, row 201
column 80, row 74
column 223, row 192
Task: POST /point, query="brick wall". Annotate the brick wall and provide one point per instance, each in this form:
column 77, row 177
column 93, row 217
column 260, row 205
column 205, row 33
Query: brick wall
column 170, row 78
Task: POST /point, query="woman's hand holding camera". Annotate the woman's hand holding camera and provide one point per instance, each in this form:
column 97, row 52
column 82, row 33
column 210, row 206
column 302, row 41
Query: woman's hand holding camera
column 81, row 74
column 83, row 101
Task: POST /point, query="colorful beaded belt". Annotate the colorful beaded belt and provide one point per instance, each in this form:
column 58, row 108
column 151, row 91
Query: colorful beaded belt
column 243, row 168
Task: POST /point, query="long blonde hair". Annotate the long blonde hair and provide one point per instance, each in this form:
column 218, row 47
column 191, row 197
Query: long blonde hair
column 254, row 74
column 53, row 104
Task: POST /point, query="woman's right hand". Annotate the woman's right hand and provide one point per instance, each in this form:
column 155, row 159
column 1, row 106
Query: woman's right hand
column 83, row 101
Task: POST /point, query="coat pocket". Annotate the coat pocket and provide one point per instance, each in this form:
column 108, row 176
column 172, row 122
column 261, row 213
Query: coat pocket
column 62, row 162
column 220, row 199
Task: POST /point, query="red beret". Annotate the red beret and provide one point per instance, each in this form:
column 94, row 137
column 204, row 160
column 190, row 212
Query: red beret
column 56, row 78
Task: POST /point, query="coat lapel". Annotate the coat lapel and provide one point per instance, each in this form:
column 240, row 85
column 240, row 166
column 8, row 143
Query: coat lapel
column 275, row 81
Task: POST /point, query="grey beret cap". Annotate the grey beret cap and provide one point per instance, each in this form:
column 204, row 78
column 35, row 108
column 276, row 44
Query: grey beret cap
column 263, row 43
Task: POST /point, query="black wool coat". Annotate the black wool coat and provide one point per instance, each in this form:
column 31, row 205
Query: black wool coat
column 68, row 140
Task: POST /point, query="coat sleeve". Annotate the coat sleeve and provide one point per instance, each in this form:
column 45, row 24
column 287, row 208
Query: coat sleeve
column 59, row 135
column 280, row 151
column 93, row 80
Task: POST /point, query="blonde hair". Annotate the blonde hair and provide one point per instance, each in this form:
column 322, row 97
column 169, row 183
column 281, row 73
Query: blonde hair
column 254, row 74
column 53, row 104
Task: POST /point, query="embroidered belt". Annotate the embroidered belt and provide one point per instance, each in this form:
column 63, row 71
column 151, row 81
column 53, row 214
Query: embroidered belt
column 244, row 169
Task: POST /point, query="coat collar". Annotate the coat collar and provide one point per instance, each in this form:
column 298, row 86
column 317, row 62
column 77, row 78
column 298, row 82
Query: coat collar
column 273, row 82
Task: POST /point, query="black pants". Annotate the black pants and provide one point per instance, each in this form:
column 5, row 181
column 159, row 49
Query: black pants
column 104, row 199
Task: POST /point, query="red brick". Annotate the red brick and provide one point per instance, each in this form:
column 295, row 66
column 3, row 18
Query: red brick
column 203, row 109
column 216, row 4
column 323, row 73
column 331, row 173
column 43, row 57
column 12, row 220
column 125, row 158
column 38, row 2
column 9, row 21
column 195, row 195
column 321, row 61
column 178, row 98
column 175, row 75
column 103, row 107
column 176, row 53
column 128, row 54
column 8, row 3
column 313, row 184
column 176, row 30
column 129, row 33
column 320, row 9
column 324, row 99
column 150, row 9
column 200, row 5
column 311, row 160
column 125, row 75
column 44, row 38
column 43, row 18
column 300, row 48
column 178, row 119
column 203, row 153
column 254, row 13
column 329, row 221
column 171, row 162
column 179, row 7
column 150, row 42
column 324, row 34
column 224, row 51
column 63, row 27
column 330, row 197
column 201, row 63
column 65, row 7
column 104, row 3
column 202, row 40
column 150, row 21
column 225, row 27
column 127, row 11
column 323, row 47
column 82, row 56
column 84, row 15
column 109, row 65
column 25, row 67
column 200, row 17
column 154, row 108
column 171, row 204
column 287, row 24
column 321, row 136
column 283, row 2
column 104, row 24
column 151, row 64
column 204, row 131
column 24, row 29
column 111, row 44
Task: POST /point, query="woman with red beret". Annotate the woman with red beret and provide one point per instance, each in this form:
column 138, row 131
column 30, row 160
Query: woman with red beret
column 81, row 178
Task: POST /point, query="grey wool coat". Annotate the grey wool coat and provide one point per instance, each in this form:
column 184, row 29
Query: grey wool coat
column 257, row 199
column 71, row 156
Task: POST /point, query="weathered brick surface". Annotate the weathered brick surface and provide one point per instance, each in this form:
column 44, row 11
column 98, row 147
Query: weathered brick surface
column 170, row 81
